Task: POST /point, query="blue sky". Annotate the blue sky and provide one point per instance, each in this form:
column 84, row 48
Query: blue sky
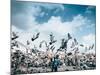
column 79, row 20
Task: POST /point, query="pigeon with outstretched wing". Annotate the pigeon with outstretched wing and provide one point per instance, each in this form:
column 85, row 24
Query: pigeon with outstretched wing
column 52, row 48
column 92, row 46
column 75, row 41
column 15, row 36
column 81, row 45
column 35, row 37
column 14, row 44
column 69, row 36
column 63, row 44
column 72, row 45
column 52, row 39
column 28, row 43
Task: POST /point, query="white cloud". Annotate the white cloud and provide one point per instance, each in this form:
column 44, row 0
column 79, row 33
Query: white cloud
column 57, row 26
column 42, row 14
column 79, row 20
column 88, row 9
column 50, row 6
column 26, row 17
column 54, row 25
column 89, row 39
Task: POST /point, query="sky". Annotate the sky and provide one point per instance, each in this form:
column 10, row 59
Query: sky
column 28, row 18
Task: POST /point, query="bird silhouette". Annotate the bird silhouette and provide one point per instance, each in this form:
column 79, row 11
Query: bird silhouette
column 35, row 37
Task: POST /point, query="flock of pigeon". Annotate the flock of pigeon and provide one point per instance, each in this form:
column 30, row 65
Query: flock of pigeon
column 36, row 61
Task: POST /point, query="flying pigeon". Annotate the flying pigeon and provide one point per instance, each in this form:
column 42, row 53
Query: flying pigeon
column 14, row 36
column 35, row 37
column 69, row 36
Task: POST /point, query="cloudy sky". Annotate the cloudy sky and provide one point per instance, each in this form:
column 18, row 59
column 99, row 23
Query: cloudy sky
column 28, row 18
